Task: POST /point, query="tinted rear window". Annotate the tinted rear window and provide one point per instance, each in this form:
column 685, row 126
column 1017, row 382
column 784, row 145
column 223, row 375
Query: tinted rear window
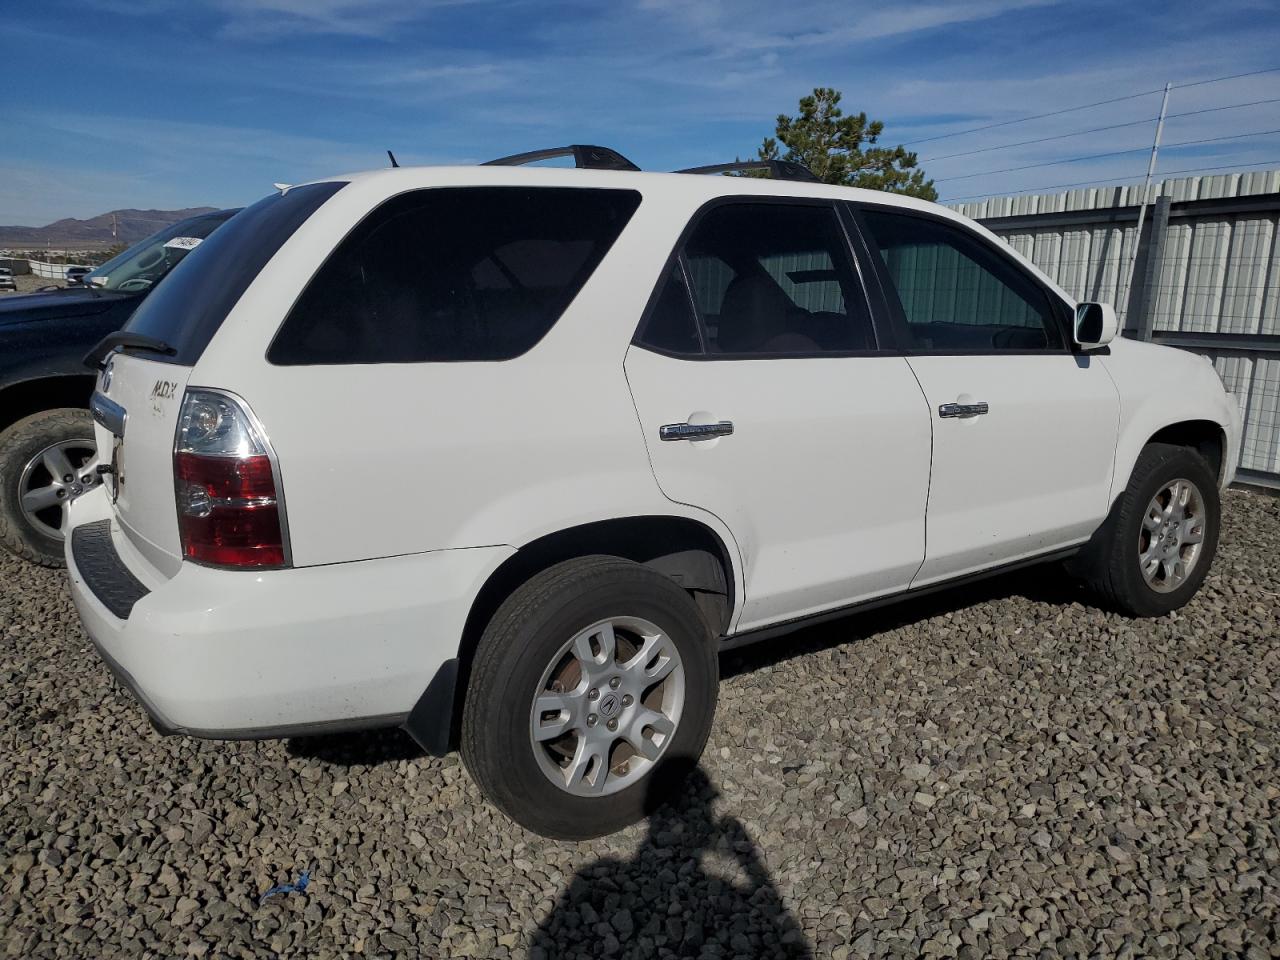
column 188, row 307
column 453, row 274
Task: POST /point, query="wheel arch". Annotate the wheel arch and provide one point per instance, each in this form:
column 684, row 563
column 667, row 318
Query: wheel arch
column 25, row 397
column 1207, row 436
column 688, row 551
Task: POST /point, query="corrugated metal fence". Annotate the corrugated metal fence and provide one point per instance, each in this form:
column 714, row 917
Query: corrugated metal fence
column 1207, row 276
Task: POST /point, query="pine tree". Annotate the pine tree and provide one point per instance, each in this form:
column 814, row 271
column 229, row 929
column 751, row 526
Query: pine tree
column 844, row 149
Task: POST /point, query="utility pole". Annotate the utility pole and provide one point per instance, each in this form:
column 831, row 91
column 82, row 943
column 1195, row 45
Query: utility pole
column 1146, row 190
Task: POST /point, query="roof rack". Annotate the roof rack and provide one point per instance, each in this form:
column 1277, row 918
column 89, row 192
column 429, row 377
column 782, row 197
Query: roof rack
column 778, row 169
column 590, row 157
column 585, row 156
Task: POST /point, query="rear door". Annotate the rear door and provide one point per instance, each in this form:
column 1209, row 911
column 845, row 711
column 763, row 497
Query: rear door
column 763, row 398
column 1024, row 429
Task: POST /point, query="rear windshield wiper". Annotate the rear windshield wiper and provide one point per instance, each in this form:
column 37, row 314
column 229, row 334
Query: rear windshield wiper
column 124, row 340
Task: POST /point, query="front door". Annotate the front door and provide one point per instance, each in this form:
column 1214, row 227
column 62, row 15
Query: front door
column 1024, row 430
column 763, row 399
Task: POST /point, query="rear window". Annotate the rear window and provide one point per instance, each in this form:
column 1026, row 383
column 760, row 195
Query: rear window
column 453, row 274
column 188, row 307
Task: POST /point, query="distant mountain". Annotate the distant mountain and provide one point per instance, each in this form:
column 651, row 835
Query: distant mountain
column 130, row 225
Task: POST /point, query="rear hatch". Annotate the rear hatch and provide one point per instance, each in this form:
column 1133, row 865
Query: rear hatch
column 138, row 406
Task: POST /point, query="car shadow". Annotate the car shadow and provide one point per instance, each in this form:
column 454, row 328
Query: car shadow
column 364, row 748
column 1042, row 583
column 1045, row 583
column 696, row 886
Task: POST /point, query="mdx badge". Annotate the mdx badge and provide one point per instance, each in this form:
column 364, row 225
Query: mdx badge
column 163, row 390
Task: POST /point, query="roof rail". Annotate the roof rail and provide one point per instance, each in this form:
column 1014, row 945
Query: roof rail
column 778, row 169
column 585, row 156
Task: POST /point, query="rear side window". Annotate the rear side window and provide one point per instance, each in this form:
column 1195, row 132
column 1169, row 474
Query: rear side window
column 776, row 279
column 188, row 306
column 453, row 274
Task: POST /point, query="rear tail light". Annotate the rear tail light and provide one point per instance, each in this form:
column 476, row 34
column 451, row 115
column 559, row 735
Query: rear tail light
column 229, row 511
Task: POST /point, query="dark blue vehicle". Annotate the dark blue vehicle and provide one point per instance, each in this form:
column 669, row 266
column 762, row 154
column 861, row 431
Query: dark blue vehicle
column 47, row 451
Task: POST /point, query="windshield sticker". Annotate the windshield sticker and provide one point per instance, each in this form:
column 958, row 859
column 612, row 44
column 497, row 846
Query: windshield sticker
column 183, row 243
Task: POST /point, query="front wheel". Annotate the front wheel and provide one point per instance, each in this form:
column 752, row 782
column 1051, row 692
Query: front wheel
column 591, row 696
column 1154, row 550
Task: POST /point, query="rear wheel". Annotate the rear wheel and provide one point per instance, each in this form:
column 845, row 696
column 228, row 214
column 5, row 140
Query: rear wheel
column 46, row 460
column 1154, row 551
column 591, row 695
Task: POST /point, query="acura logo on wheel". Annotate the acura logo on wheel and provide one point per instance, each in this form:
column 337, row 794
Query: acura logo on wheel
column 609, row 705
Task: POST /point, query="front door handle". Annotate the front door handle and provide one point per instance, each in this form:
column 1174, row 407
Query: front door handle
column 695, row 431
column 962, row 409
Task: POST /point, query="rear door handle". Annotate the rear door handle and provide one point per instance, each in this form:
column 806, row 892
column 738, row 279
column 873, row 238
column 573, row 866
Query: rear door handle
column 695, row 431
column 962, row 409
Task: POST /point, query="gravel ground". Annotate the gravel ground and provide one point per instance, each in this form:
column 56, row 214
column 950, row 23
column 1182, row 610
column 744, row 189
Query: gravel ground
column 27, row 283
column 1004, row 771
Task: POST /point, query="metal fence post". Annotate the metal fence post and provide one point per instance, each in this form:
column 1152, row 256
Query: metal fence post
column 1146, row 307
column 1146, row 194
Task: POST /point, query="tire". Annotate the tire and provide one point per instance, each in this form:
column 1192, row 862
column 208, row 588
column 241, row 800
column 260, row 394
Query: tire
column 1110, row 563
column 20, row 448
column 522, row 646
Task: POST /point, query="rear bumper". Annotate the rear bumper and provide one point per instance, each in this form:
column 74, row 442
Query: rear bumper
column 244, row 655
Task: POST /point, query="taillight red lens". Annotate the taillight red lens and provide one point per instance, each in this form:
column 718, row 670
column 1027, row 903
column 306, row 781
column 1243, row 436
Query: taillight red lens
column 228, row 514
column 228, row 505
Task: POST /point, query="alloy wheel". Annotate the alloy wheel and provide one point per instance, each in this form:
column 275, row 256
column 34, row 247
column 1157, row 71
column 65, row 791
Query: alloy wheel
column 52, row 479
column 1172, row 534
column 607, row 706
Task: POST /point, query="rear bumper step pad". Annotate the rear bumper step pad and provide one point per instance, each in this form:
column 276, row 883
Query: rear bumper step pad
column 103, row 571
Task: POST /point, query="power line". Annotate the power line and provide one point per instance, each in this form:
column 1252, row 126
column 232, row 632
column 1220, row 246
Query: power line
column 1233, row 136
column 1024, row 143
column 1110, row 153
column 1225, row 166
column 1164, row 175
column 1086, row 106
column 1038, row 116
column 1046, row 163
column 1234, row 76
column 1229, row 106
column 1113, row 126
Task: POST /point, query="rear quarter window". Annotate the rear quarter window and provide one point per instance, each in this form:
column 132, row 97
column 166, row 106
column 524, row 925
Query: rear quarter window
column 186, row 308
column 453, row 274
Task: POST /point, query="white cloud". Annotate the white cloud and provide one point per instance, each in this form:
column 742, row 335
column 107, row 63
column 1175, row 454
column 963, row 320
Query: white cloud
column 755, row 26
column 452, row 79
column 263, row 19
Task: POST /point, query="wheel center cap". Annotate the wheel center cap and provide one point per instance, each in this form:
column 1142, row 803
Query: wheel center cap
column 610, row 706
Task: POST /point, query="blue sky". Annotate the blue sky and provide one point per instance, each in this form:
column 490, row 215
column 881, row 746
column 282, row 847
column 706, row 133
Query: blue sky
column 172, row 103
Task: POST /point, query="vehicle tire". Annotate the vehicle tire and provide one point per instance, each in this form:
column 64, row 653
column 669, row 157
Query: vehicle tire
column 36, row 455
column 1155, row 548
column 590, row 698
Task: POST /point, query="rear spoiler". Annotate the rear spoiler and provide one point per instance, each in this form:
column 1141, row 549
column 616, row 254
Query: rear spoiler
column 96, row 358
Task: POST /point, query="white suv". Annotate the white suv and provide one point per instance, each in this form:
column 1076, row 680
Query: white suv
column 508, row 455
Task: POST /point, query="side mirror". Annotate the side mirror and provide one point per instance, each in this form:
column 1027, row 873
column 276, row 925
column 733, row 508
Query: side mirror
column 1096, row 325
